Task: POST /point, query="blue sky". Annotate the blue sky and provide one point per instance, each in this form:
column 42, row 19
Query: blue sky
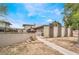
column 34, row 13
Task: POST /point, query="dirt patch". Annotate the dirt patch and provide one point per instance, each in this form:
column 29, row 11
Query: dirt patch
column 68, row 44
column 31, row 48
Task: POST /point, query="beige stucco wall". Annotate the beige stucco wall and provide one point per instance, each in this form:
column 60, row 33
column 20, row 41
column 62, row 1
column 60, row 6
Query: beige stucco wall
column 63, row 31
column 75, row 33
column 69, row 30
column 51, row 31
column 24, row 30
column 56, row 31
column 46, row 31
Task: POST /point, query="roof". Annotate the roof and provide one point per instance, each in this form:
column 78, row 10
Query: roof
column 5, row 22
column 55, row 23
column 28, row 25
column 41, row 26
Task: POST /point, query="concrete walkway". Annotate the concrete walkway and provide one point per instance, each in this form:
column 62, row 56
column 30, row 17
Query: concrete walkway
column 54, row 46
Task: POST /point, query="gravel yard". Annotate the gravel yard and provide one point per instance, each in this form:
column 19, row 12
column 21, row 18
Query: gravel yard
column 68, row 44
column 31, row 48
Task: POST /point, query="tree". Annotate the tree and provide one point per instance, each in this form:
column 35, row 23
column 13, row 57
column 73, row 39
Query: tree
column 3, row 9
column 71, row 15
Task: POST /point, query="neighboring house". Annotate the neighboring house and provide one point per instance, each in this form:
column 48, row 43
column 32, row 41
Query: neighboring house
column 4, row 25
column 43, row 30
column 28, row 27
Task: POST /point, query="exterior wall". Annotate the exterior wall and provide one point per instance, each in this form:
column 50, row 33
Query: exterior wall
column 69, row 30
column 24, row 31
column 51, row 31
column 11, row 38
column 57, row 31
column 20, row 30
column 27, row 27
column 63, row 32
column 4, row 25
column 46, row 31
column 40, row 31
column 75, row 33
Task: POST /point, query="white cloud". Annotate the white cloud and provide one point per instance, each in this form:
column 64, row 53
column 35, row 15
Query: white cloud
column 30, row 14
column 49, row 20
column 39, row 9
column 34, row 8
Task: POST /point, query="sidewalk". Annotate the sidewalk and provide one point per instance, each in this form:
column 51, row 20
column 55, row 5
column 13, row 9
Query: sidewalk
column 54, row 46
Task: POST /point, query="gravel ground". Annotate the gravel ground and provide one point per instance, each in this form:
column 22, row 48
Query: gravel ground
column 68, row 44
column 31, row 48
